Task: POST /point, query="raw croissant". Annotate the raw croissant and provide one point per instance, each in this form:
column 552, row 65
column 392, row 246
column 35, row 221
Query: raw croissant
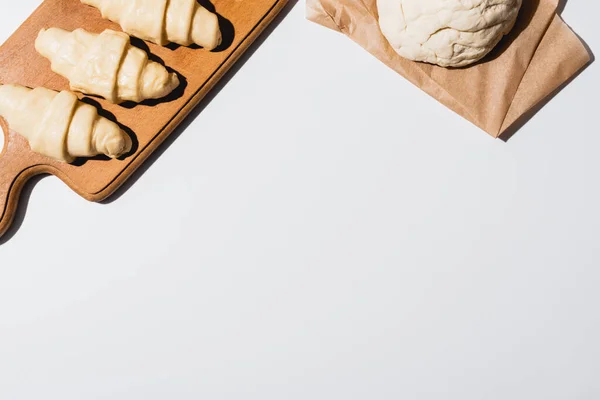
column 162, row 21
column 106, row 65
column 60, row 126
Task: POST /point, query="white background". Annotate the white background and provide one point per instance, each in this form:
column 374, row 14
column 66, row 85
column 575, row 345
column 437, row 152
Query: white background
column 321, row 230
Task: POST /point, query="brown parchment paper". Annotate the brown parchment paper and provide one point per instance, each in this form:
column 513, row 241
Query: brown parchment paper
column 535, row 59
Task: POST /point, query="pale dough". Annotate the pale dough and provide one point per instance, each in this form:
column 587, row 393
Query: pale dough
column 106, row 65
column 162, row 21
column 450, row 33
column 63, row 127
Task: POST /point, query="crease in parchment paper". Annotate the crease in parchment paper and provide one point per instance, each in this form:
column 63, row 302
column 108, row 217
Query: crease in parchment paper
column 539, row 56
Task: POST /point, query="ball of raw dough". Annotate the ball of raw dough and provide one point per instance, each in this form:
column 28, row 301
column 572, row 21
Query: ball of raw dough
column 450, row 33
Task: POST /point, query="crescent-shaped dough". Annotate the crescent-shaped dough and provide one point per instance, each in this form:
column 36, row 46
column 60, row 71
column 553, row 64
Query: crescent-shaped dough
column 64, row 128
column 162, row 21
column 106, row 65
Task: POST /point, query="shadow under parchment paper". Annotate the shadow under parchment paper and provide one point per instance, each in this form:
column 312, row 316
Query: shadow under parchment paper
column 520, row 122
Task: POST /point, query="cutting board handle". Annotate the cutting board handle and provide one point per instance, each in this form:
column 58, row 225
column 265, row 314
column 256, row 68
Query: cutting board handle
column 14, row 174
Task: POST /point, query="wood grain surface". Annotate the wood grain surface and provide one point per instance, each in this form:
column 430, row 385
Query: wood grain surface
column 148, row 123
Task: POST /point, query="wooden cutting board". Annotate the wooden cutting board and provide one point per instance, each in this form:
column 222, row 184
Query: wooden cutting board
column 148, row 123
